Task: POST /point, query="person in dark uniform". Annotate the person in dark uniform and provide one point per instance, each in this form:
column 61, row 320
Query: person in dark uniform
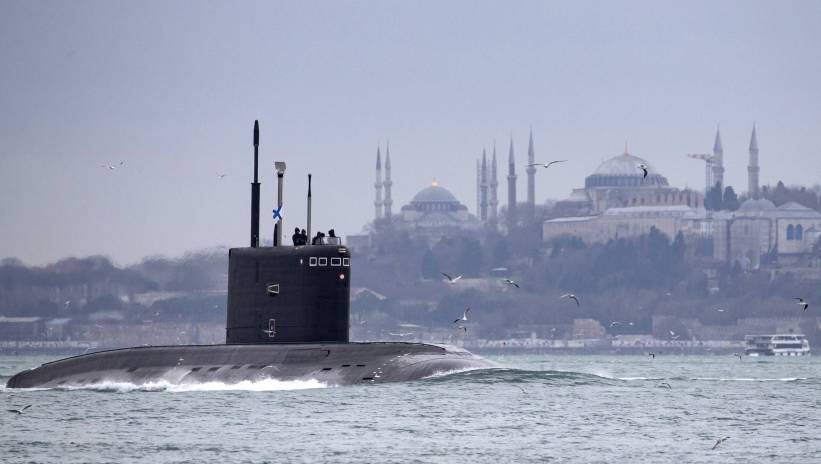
column 297, row 237
column 303, row 237
column 331, row 233
column 316, row 239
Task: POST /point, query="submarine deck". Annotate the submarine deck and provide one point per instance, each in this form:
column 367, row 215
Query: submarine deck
column 329, row 363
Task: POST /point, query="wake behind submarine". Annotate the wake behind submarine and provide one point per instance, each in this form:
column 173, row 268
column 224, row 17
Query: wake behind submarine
column 288, row 319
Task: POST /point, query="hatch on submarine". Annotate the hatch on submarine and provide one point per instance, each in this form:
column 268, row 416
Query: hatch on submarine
column 288, row 319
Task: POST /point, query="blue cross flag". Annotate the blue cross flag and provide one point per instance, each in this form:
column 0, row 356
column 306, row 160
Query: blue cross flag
column 278, row 213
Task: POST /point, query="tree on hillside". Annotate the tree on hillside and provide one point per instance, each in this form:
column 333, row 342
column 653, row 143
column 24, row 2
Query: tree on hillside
column 713, row 200
column 730, row 200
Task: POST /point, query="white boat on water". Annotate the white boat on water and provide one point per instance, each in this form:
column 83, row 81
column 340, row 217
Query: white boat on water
column 777, row 345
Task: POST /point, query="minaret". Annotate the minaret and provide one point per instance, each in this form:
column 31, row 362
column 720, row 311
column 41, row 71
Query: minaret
column 752, row 169
column 478, row 187
column 484, row 185
column 494, row 187
column 388, row 183
column 531, row 178
column 511, row 189
column 378, row 185
column 718, row 162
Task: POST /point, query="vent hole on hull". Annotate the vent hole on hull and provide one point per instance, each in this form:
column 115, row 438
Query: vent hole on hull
column 196, row 369
column 367, row 378
column 326, row 368
column 360, row 365
column 236, row 366
column 132, row 369
column 212, row 369
column 346, row 365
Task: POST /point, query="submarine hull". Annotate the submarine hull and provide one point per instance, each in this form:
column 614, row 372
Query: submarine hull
column 332, row 364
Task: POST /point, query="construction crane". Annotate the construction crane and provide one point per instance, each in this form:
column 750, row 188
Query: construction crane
column 708, row 173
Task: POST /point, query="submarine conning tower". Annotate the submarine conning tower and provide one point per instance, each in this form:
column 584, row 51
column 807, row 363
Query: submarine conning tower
column 287, row 294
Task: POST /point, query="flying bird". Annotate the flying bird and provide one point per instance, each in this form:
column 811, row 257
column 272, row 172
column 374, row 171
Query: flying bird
column 461, row 327
column 546, row 165
column 572, row 297
column 804, row 305
column 510, row 282
column 653, row 355
column 719, row 310
column 665, row 385
column 615, row 323
column 719, row 441
column 108, row 166
column 643, row 167
column 464, row 316
column 220, row 176
column 673, row 335
column 452, row 280
column 738, row 355
column 19, row 411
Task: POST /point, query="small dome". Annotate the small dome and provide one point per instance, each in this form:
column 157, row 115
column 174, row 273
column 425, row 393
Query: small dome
column 756, row 205
column 434, row 194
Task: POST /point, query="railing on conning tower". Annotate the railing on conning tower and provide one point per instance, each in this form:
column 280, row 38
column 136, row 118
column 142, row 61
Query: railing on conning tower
column 330, row 241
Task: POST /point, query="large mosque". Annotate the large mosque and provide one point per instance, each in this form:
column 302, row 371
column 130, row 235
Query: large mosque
column 434, row 212
column 616, row 201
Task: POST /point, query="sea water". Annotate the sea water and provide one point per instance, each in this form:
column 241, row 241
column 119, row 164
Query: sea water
column 533, row 409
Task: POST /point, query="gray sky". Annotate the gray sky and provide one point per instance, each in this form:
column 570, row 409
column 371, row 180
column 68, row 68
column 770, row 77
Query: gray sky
column 172, row 89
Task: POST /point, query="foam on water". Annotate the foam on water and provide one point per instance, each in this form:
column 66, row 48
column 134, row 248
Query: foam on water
column 164, row 386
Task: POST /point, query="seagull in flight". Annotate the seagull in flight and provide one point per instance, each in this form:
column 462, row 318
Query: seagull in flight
column 461, row 327
column 804, row 305
column 452, row 280
column 719, row 441
column 719, row 310
column 738, row 355
column 112, row 167
column 615, row 323
column 665, row 385
column 400, row 334
column 510, row 282
column 464, row 316
column 643, row 167
column 19, row 411
column 653, row 355
column 221, row 176
column 546, row 165
column 574, row 298
column 673, row 335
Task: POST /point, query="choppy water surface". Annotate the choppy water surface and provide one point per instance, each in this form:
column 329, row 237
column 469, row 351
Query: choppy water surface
column 536, row 409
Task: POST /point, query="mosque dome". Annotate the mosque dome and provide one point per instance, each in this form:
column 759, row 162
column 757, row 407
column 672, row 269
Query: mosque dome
column 434, row 199
column 623, row 171
column 752, row 205
column 434, row 194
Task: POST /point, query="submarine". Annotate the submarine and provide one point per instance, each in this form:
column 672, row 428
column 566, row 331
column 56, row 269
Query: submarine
column 288, row 318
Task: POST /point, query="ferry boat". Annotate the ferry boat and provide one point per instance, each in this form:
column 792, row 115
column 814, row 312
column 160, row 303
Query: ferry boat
column 777, row 345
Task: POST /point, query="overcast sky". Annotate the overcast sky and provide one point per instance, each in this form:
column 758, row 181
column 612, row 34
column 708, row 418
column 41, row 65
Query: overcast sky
column 172, row 89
